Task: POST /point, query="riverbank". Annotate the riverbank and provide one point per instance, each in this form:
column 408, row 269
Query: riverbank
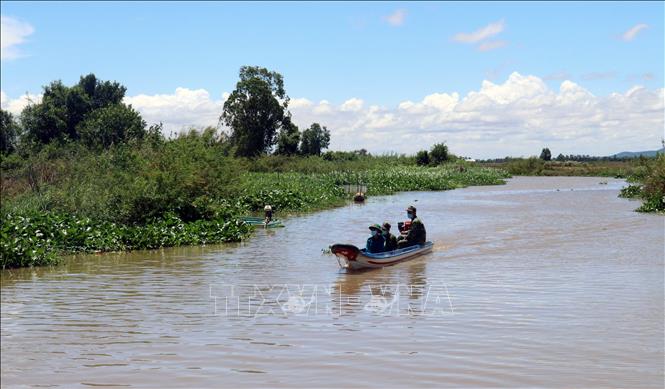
column 184, row 192
column 646, row 176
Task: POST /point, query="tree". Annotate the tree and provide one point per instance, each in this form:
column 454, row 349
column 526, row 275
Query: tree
column 255, row 110
column 110, row 125
column 9, row 132
column 64, row 108
column 546, row 155
column 560, row 157
column 288, row 139
column 314, row 139
column 438, row 154
column 422, row 158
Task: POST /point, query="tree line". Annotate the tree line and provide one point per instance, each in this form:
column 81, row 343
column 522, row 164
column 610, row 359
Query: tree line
column 92, row 112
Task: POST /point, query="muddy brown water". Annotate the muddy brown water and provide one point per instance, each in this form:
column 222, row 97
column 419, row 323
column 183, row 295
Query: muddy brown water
column 548, row 282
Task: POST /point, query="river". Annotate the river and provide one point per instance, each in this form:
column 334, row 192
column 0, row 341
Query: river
column 545, row 281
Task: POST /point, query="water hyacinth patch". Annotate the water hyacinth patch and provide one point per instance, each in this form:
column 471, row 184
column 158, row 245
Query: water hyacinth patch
column 36, row 240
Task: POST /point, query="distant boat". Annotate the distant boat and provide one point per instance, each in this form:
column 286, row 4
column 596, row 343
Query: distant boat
column 359, row 197
column 351, row 257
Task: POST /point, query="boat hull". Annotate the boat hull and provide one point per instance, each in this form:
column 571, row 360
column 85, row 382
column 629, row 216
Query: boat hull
column 257, row 221
column 353, row 258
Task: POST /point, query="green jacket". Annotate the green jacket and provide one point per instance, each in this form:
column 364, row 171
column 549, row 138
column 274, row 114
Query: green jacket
column 417, row 233
column 391, row 242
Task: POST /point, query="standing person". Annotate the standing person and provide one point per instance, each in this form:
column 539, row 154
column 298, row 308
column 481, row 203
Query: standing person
column 416, row 234
column 268, row 214
column 375, row 242
column 391, row 240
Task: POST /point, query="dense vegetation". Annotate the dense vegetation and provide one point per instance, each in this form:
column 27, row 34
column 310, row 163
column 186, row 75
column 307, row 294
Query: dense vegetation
column 647, row 182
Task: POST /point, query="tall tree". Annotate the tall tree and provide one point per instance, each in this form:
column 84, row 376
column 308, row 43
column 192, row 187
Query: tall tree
column 255, row 110
column 439, row 153
column 315, row 139
column 546, row 155
column 63, row 108
column 288, row 139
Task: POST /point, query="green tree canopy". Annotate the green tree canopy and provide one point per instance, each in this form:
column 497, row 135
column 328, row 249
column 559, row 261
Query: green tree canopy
column 288, row 139
column 255, row 110
column 314, row 139
column 64, row 108
column 439, row 153
column 546, row 155
column 110, row 125
column 422, row 158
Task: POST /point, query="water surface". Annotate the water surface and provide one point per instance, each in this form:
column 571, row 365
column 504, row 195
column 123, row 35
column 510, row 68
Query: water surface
column 546, row 281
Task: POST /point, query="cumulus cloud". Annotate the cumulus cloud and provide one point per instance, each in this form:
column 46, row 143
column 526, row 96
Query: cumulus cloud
column 396, row 18
column 632, row 32
column 481, row 34
column 13, row 32
column 182, row 110
column 515, row 117
column 352, row 105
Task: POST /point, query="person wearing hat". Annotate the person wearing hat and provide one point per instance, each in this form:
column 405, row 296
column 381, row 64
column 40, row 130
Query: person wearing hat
column 391, row 240
column 416, row 234
column 375, row 242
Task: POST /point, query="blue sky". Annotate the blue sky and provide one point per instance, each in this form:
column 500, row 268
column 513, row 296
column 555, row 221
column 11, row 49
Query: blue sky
column 383, row 53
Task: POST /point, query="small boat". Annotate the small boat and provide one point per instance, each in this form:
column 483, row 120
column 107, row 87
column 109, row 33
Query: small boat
column 259, row 221
column 351, row 257
column 359, row 197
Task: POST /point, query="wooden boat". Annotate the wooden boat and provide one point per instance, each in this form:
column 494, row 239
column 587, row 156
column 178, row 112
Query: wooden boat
column 259, row 221
column 351, row 257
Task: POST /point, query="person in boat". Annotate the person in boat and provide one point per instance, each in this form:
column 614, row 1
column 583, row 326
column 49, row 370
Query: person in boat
column 267, row 210
column 391, row 240
column 416, row 234
column 375, row 242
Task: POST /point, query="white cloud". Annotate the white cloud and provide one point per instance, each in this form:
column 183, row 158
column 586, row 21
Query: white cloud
column 352, row 105
column 481, row 34
column 182, row 110
column 15, row 106
column 632, row 32
column 397, row 18
column 13, row 32
column 491, row 45
column 515, row 117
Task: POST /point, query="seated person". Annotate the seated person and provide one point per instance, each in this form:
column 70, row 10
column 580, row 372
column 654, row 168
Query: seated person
column 391, row 240
column 375, row 242
column 416, row 234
